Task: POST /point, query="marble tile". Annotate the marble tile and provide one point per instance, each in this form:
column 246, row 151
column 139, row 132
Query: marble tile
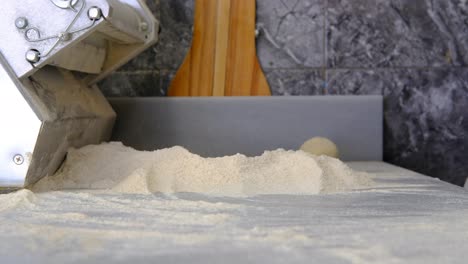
column 176, row 33
column 452, row 21
column 295, row 81
column 154, row 6
column 426, row 122
column 166, row 79
column 387, row 33
column 146, row 60
column 291, row 33
column 132, row 84
column 356, row 82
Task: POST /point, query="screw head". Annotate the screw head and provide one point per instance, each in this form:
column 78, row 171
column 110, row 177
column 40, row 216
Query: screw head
column 33, row 56
column 95, row 13
column 65, row 36
column 21, row 23
column 144, row 26
column 65, row 4
column 18, row 159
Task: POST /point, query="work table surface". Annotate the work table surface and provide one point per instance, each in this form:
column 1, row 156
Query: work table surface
column 404, row 218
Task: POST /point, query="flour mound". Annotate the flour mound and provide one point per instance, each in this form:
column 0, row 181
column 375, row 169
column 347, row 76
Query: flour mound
column 16, row 199
column 125, row 170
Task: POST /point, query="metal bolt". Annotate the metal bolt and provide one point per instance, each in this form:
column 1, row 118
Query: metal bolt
column 18, row 159
column 65, row 36
column 64, row 4
column 144, row 26
column 21, row 23
column 95, row 13
column 33, row 56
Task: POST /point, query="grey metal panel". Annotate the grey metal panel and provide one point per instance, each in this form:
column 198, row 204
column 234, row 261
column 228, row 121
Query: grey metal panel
column 214, row 126
column 19, row 129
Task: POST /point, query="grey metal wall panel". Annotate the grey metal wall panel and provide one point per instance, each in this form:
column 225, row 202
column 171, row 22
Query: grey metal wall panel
column 214, row 126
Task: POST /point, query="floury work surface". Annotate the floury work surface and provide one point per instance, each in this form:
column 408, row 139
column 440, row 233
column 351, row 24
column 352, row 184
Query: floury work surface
column 404, row 218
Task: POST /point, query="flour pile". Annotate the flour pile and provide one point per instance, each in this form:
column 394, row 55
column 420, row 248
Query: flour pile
column 125, row 170
column 17, row 199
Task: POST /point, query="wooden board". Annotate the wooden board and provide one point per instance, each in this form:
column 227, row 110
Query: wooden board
column 222, row 60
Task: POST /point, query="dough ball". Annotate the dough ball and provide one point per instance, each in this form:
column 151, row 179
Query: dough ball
column 320, row 146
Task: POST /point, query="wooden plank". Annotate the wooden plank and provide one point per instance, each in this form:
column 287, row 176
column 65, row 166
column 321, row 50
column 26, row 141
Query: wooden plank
column 245, row 76
column 222, row 41
column 195, row 76
column 222, row 59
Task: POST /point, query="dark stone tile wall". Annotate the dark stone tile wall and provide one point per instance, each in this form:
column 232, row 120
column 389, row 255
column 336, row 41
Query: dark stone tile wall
column 413, row 52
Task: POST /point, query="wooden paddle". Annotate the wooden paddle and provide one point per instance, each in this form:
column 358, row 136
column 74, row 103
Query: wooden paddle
column 222, row 60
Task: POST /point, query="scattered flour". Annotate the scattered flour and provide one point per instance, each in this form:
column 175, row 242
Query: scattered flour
column 16, row 199
column 125, row 170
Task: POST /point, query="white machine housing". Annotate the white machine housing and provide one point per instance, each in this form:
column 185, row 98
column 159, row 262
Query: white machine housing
column 52, row 55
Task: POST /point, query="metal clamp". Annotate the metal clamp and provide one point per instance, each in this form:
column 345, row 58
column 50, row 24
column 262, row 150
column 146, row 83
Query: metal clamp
column 33, row 34
column 64, row 4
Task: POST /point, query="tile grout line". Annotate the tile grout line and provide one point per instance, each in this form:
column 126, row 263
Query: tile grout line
column 129, row 72
column 369, row 69
column 166, row 70
column 325, row 50
column 160, row 21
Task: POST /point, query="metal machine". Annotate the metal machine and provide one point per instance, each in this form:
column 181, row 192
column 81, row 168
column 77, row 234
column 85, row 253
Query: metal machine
column 52, row 54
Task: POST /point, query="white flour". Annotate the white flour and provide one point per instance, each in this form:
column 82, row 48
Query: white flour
column 125, row 170
column 395, row 215
column 17, row 199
